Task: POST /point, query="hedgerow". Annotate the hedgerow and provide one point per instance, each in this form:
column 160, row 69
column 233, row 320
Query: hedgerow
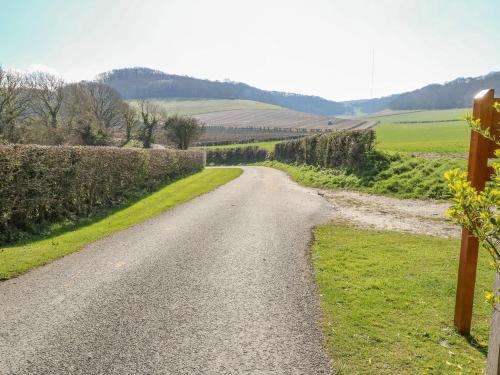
column 40, row 185
column 236, row 155
column 345, row 149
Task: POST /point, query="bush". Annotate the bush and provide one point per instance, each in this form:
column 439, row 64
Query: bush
column 40, row 185
column 236, row 155
column 345, row 149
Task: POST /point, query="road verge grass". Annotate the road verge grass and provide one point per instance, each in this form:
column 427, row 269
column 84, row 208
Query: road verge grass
column 17, row 259
column 388, row 301
column 394, row 175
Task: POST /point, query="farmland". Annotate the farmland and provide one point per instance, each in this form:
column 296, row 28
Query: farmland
column 252, row 114
column 195, row 107
column 439, row 137
column 243, row 121
column 219, row 135
column 437, row 131
column 283, row 118
column 424, row 132
column 420, row 116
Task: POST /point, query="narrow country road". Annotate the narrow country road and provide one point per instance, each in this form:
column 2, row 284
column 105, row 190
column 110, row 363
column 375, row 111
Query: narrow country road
column 219, row 285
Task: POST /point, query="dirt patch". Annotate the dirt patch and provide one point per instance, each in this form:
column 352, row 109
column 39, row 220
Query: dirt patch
column 384, row 213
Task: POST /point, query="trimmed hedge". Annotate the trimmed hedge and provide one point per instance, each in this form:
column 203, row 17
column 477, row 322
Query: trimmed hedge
column 236, row 155
column 343, row 149
column 40, row 185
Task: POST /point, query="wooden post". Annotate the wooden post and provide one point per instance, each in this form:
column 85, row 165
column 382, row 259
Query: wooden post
column 479, row 152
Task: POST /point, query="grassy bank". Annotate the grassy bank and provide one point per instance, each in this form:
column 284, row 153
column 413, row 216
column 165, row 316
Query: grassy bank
column 388, row 302
column 397, row 175
column 15, row 260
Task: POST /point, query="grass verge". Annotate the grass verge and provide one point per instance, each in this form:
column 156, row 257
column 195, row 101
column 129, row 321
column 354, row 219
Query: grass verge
column 15, row 260
column 388, row 301
column 398, row 176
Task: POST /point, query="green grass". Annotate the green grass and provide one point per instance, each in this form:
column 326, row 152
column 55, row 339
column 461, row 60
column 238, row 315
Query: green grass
column 268, row 145
column 388, row 302
column 412, row 132
column 439, row 137
column 15, row 260
column 393, row 175
column 195, row 107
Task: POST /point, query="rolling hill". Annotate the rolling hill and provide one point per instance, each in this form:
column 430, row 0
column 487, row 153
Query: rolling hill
column 195, row 107
column 251, row 114
column 144, row 83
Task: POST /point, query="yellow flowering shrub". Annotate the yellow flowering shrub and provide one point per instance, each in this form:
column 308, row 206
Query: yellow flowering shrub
column 478, row 210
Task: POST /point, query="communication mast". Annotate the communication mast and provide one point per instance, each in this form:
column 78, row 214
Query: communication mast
column 373, row 73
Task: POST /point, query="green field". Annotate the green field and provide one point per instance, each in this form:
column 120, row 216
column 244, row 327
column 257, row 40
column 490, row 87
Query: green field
column 196, row 107
column 439, row 137
column 388, row 302
column 269, row 146
column 404, row 132
column 15, row 260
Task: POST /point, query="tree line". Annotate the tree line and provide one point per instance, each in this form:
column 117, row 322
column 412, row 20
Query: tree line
column 454, row 94
column 41, row 108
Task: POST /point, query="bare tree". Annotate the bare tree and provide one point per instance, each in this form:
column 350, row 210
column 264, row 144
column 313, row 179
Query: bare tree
column 129, row 115
column 46, row 97
column 183, row 130
column 13, row 102
column 151, row 115
column 92, row 112
column 105, row 104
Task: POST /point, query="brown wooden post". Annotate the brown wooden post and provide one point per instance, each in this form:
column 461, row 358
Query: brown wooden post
column 479, row 152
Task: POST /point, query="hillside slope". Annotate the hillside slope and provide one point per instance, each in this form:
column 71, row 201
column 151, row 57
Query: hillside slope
column 454, row 94
column 195, row 107
column 143, row 83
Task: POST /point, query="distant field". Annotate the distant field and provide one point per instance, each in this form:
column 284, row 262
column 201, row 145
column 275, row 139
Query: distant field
column 216, row 135
column 438, row 137
column 415, row 132
column 195, row 107
column 420, row 116
column 269, row 146
column 284, row 118
column 242, row 121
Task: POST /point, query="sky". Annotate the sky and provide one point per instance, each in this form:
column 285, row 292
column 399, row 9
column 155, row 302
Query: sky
column 315, row 47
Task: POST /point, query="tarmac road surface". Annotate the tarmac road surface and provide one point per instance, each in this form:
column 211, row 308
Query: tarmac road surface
column 220, row 285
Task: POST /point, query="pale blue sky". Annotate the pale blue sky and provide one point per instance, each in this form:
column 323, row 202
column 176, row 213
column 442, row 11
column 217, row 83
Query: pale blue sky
column 320, row 47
